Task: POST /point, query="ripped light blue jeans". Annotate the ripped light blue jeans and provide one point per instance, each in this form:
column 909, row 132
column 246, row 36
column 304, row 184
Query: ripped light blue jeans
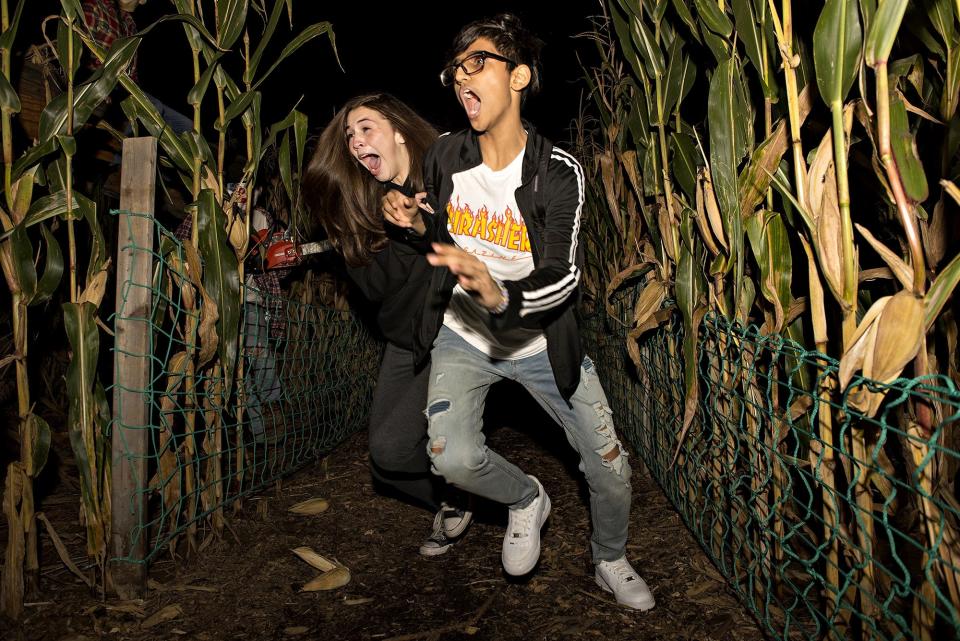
column 460, row 378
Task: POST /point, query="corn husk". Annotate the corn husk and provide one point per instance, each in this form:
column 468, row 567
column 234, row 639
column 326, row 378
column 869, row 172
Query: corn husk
column 335, row 578
column 309, row 556
column 310, row 506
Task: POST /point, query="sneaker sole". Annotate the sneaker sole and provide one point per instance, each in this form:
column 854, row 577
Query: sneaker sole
column 527, row 570
column 437, row 551
column 643, row 607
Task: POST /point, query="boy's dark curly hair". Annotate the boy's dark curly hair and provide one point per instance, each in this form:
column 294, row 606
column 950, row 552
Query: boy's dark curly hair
column 512, row 40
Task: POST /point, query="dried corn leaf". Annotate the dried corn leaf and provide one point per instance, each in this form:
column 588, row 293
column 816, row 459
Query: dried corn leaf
column 95, row 289
column 700, row 218
column 633, row 271
column 862, row 340
column 900, row 269
column 309, row 556
column 163, row 615
column 62, row 550
column 12, row 589
column 828, row 233
column 668, row 227
column 613, row 204
column 310, row 506
column 713, row 210
column 900, row 333
column 649, row 301
column 817, row 309
column 209, row 312
column 335, row 578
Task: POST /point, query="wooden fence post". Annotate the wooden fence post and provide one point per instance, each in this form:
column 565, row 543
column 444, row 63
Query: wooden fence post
column 131, row 405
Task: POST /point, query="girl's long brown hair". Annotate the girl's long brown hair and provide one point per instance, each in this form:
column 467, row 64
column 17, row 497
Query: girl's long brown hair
column 343, row 195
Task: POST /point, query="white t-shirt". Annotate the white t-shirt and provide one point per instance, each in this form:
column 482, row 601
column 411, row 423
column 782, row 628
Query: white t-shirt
column 484, row 220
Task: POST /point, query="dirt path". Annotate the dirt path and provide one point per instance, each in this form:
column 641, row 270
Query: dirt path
column 249, row 590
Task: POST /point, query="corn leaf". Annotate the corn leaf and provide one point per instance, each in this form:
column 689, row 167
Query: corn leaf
column 305, row 36
column 64, row 31
column 87, row 96
column 221, row 279
column 904, row 149
column 680, row 78
column 79, row 322
column 645, row 43
column 883, row 30
column 730, row 121
column 836, row 49
column 940, row 291
column 713, row 18
column 53, row 269
column 748, row 31
column 685, row 163
column 251, row 72
column 683, row 10
column 689, row 289
column 36, row 444
column 25, row 274
column 71, row 9
column 900, row 269
column 8, row 36
column 9, row 100
column 231, row 18
column 197, row 92
column 941, row 14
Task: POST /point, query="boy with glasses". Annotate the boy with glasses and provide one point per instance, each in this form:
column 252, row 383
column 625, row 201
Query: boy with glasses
column 505, row 249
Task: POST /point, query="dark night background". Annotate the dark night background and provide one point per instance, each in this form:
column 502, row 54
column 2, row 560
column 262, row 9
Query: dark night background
column 383, row 46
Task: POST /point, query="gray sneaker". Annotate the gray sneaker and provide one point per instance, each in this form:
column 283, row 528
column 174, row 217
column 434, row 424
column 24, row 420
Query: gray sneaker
column 455, row 520
column 438, row 542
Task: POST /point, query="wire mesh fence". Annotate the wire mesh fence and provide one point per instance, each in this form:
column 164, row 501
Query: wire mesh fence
column 306, row 376
column 827, row 522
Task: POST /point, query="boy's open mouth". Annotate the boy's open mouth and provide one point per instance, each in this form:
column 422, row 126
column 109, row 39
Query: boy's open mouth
column 471, row 102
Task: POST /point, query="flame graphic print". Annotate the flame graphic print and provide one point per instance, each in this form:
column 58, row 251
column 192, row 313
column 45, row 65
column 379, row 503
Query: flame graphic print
column 503, row 230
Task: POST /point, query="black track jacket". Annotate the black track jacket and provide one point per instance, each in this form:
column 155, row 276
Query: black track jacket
column 550, row 198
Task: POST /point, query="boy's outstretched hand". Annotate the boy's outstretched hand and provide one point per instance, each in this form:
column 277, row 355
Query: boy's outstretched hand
column 470, row 271
column 404, row 211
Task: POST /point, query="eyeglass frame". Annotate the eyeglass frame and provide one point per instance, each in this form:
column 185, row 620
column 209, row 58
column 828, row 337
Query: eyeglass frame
column 453, row 66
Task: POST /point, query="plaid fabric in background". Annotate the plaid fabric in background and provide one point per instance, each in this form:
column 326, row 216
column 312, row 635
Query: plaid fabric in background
column 107, row 23
column 267, row 282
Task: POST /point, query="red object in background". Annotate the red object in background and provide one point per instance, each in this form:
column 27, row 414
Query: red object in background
column 279, row 251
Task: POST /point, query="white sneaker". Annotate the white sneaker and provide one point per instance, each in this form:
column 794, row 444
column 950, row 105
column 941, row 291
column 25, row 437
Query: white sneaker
column 620, row 578
column 521, row 543
column 455, row 520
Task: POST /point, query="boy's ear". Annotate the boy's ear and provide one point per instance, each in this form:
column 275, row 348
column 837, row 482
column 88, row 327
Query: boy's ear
column 520, row 78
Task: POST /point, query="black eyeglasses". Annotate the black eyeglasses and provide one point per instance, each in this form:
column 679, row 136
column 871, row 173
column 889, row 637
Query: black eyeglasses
column 471, row 65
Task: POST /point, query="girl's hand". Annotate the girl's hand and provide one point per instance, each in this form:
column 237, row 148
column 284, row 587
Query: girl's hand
column 403, row 211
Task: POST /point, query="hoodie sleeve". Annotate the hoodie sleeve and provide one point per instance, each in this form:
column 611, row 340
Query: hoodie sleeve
column 549, row 287
column 432, row 177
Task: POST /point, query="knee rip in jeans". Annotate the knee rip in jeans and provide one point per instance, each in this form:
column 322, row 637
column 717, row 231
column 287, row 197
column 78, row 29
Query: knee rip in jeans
column 587, row 366
column 438, row 445
column 437, row 407
column 611, row 452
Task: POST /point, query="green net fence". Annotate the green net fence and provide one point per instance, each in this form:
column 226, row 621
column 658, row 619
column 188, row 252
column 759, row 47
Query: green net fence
column 827, row 522
column 308, row 375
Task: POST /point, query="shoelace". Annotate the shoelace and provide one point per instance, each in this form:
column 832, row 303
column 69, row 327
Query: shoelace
column 623, row 572
column 522, row 521
column 437, row 526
